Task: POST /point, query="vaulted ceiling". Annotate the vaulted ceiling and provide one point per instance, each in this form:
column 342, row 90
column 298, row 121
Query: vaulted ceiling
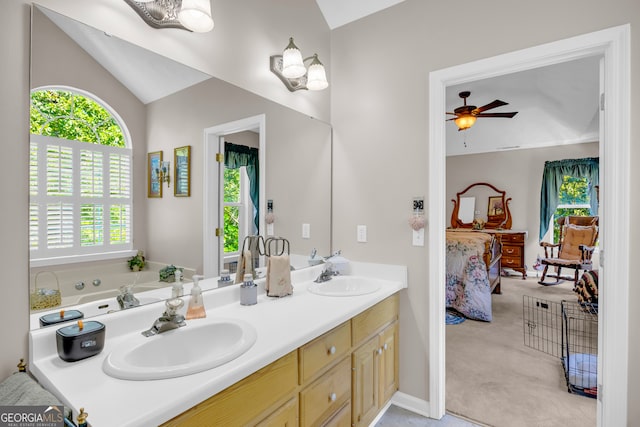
column 557, row 104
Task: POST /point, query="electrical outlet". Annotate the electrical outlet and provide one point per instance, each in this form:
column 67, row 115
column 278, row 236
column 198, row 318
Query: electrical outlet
column 362, row 233
column 306, row 231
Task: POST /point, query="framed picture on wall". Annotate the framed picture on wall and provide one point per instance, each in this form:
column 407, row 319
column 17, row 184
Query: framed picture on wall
column 154, row 162
column 182, row 171
column 496, row 206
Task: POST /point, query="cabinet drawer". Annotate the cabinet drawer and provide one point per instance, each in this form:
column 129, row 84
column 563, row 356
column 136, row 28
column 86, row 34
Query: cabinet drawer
column 512, row 238
column 512, row 262
column 370, row 321
column 512, row 251
column 326, row 395
column 324, row 350
column 342, row 418
column 285, row 416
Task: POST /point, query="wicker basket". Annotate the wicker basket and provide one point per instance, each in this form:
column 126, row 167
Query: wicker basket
column 41, row 298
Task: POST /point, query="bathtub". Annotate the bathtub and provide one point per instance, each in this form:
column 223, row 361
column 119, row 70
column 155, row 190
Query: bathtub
column 102, row 282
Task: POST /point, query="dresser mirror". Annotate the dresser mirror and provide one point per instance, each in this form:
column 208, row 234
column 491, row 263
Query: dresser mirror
column 169, row 229
column 467, row 211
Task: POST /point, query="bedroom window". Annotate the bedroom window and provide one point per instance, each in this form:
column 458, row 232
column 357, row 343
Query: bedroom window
column 568, row 187
column 80, row 202
column 573, row 199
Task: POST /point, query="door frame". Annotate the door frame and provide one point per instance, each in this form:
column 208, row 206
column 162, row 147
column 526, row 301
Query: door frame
column 212, row 253
column 614, row 45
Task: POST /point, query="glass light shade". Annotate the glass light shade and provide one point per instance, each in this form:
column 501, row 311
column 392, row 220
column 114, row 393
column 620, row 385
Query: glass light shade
column 465, row 122
column 196, row 15
column 317, row 77
column 292, row 64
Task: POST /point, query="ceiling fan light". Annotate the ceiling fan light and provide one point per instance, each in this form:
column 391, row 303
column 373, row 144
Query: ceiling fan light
column 292, row 64
column 317, row 76
column 196, row 15
column 465, row 121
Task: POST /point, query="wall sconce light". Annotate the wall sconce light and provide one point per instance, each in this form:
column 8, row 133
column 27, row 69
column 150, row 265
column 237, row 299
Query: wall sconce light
column 290, row 69
column 164, row 174
column 190, row 15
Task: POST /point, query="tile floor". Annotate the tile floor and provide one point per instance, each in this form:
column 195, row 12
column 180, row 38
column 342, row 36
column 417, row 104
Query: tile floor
column 398, row 417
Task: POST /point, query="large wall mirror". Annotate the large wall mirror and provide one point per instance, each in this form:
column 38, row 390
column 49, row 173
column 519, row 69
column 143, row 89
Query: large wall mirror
column 166, row 105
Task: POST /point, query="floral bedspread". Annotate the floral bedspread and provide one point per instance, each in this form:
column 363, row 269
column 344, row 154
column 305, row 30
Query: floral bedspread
column 468, row 290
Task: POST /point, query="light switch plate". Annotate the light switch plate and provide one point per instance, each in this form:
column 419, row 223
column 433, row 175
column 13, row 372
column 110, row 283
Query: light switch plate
column 362, row 233
column 418, row 237
column 306, row 231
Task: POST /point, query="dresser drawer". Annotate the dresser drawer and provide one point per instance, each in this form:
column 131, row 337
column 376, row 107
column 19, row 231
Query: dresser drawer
column 512, row 238
column 326, row 395
column 324, row 350
column 512, row 251
column 513, row 262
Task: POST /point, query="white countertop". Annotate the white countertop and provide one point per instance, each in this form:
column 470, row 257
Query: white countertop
column 282, row 325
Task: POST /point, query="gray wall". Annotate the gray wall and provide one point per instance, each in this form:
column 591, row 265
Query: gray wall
column 517, row 172
column 379, row 108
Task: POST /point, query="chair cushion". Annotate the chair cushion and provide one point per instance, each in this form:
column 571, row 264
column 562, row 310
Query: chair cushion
column 576, row 235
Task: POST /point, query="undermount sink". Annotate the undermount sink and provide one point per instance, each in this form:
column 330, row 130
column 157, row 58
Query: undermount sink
column 193, row 348
column 346, row 286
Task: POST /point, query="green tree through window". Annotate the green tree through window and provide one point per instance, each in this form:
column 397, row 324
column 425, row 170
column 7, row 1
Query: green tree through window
column 573, row 200
column 67, row 115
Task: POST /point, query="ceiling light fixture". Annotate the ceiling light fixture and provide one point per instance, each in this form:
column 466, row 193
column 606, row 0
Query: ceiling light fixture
column 290, row 69
column 190, row 15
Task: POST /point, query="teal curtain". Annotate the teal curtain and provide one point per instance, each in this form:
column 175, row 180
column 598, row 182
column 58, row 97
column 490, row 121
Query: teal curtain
column 236, row 156
column 552, row 178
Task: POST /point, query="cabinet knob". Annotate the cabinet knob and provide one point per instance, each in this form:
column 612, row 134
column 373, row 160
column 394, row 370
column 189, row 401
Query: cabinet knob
column 380, row 350
column 333, row 397
column 332, row 350
column 386, row 346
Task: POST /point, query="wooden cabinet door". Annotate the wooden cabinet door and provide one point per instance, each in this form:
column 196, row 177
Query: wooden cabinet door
column 388, row 363
column 364, row 385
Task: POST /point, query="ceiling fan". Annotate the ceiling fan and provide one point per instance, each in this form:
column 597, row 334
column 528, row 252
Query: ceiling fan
column 466, row 115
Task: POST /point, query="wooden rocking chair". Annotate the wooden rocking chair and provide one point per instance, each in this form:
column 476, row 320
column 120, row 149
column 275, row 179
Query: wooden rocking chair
column 578, row 235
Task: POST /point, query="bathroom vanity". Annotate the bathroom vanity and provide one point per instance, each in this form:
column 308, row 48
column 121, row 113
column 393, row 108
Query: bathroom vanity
column 317, row 360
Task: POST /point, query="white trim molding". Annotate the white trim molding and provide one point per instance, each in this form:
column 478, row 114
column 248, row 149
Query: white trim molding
column 613, row 45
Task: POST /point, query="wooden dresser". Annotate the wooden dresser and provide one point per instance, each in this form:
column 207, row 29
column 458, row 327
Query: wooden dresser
column 513, row 250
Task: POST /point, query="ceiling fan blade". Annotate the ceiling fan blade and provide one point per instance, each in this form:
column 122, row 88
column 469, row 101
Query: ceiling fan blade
column 453, row 114
column 507, row 115
column 448, row 120
column 489, row 106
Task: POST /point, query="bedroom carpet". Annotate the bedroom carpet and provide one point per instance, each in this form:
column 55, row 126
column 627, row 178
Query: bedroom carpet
column 492, row 377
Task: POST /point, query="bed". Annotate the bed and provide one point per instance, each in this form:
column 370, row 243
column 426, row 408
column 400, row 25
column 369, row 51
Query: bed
column 473, row 272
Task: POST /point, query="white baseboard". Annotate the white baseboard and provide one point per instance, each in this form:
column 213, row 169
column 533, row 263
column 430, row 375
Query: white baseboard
column 410, row 403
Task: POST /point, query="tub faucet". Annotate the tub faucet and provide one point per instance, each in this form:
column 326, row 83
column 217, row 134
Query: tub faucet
column 169, row 320
column 126, row 299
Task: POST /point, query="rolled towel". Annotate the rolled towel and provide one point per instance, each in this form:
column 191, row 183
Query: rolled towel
column 278, row 276
column 244, row 266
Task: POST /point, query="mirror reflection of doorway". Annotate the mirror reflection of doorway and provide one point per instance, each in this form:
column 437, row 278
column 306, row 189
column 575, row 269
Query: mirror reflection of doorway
column 240, row 207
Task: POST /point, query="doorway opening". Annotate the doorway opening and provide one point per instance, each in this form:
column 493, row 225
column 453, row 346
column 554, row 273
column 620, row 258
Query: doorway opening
column 214, row 139
column 613, row 45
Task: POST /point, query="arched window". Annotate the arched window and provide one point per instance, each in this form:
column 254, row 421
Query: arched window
column 79, row 178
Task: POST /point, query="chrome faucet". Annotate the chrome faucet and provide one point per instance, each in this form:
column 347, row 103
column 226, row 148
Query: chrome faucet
column 169, row 320
column 126, row 299
column 327, row 273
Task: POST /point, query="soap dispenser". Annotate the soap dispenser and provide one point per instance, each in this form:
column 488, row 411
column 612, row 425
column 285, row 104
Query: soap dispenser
column 196, row 304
